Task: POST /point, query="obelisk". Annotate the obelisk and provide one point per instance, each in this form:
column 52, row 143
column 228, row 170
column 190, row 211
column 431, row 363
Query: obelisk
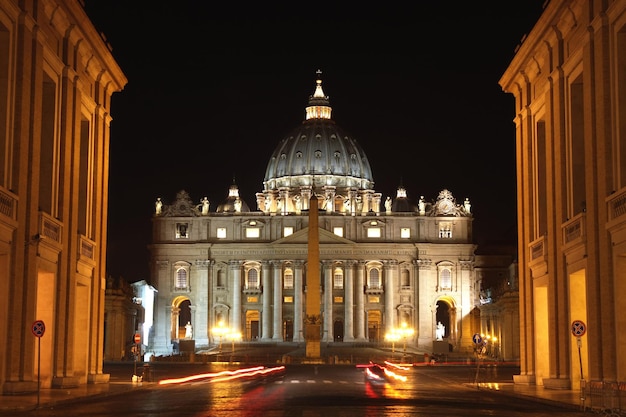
column 313, row 316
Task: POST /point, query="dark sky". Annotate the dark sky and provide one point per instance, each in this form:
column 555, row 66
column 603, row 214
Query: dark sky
column 213, row 89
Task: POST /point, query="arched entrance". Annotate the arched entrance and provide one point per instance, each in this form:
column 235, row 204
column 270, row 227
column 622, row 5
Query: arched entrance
column 180, row 316
column 443, row 316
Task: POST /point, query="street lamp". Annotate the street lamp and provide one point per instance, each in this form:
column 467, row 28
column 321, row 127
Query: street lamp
column 406, row 332
column 392, row 336
column 233, row 336
column 220, row 331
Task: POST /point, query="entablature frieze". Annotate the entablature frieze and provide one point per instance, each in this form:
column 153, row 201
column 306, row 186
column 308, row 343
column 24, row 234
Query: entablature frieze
column 268, row 253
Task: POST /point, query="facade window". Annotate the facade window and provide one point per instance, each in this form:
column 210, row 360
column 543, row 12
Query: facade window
column 288, row 299
column 288, row 279
column 287, row 231
column 252, row 279
column 405, row 280
column 221, row 278
column 181, row 278
column 252, row 299
column 445, row 230
column 373, row 279
column 405, row 233
column 373, row 232
column 182, row 231
column 373, row 299
column 338, row 300
column 253, row 232
column 338, row 279
column 338, row 231
column 445, row 279
column 221, row 233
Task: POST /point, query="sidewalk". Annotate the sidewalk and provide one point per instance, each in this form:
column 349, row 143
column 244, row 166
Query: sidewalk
column 11, row 405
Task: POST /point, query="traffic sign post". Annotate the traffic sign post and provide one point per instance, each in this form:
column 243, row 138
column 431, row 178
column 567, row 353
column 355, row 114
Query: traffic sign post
column 38, row 329
column 479, row 349
column 579, row 328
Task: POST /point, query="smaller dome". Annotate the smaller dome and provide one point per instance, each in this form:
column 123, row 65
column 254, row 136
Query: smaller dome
column 233, row 203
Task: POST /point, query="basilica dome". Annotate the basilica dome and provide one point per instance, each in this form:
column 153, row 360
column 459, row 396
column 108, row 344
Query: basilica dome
column 318, row 154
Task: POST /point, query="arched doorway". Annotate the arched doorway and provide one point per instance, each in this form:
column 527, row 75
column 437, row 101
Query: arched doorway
column 180, row 316
column 443, row 316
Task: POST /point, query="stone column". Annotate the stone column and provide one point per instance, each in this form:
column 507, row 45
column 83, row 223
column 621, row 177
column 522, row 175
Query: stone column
column 199, row 309
column 235, row 271
column 360, row 301
column 298, row 305
column 348, row 302
column 328, row 302
column 391, row 274
column 266, row 313
column 278, row 302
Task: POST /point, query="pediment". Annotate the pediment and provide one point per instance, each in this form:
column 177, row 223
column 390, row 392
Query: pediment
column 302, row 236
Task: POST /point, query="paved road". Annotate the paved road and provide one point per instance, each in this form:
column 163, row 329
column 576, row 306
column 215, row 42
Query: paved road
column 324, row 391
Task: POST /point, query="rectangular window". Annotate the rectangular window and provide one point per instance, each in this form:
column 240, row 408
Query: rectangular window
column 405, row 233
column 287, row 231
column 373, row 232
column 288, row 299
column 338, row 231
column 252, row 299
column 445, row 230
column 288, row 281
column 221, row 233
column 374, row 299
column 181, row 231
column 252, row 232
column 338, row 300
column 338, row 280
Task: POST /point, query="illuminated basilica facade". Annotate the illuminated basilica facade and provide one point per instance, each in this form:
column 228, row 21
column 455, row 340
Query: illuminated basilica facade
column 385, row 262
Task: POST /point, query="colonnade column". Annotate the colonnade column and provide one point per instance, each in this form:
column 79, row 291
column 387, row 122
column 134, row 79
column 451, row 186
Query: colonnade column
column 391, row 275
column 297, row 300
column 235, row 272
column 328, row 301
column 348, row 289
column 266, row 313
column 200, row 314
column 278, row 301
column 360, row 301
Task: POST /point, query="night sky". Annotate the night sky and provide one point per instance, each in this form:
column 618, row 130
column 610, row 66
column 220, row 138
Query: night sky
column 213, row 89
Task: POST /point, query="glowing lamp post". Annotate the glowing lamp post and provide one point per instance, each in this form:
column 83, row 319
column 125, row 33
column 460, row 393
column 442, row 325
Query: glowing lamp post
column 220, row 331
column 392, row 336
column 406, row 332
column 233, row 336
